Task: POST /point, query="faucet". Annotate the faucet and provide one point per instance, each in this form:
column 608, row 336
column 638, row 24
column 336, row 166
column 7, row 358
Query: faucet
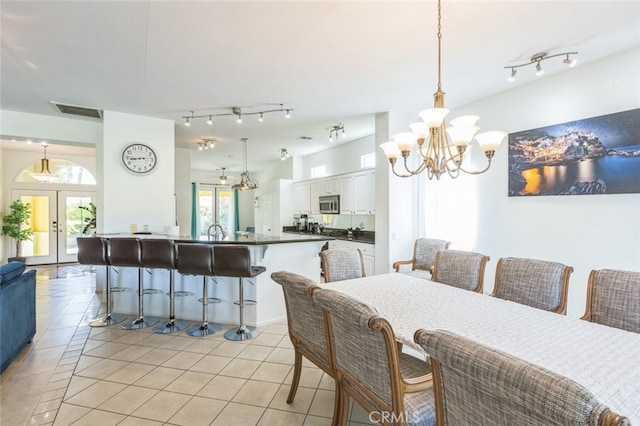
column 216, row 225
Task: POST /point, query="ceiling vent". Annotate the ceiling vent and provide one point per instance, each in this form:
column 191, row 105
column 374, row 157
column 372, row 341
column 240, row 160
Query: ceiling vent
column 78, row 110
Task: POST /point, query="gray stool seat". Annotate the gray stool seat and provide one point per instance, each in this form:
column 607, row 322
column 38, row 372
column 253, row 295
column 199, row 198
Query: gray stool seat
column 161, row 254
column 93, row 251
column 126, row 252
column 235, row 261
column 197, row 259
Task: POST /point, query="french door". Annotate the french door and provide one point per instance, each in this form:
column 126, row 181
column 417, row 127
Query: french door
column 56, row 222
column 216, row 206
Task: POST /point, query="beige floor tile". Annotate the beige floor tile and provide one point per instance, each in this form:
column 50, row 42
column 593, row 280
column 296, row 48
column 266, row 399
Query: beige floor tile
column 137, row 421
column 128, row 400
column 211, row 364
column 97, row 417
column 102, row 369
column 317, row 421
column 68, row 413
column 360, row 415
column 229, row 349
column 96, row 394
column 131, row 353
column 271, row 372
column 154, row 339
column 190, row 383
column 106, row 350
column 239, row 415
column 281, row 418
column 256, row 393
column 285, row 343
column 157, row 356
column 177, row 343
column 267, row 339
column 85, row 362
column 222, row 387
column 203, row 346
column 130, row 373
column 78, row 384
column 322, row 404
column 198, row 411
column 58, row 384
column 255, row 352
column 301, row 403
column 159, row 378
column 45, row 418
column 327, row 382
column 46, row 406
column 131, row 338
column 242, row 368
column 276, row 328
column 183, row 360
column 55, row 394
column 282, row 356
column 162, row 406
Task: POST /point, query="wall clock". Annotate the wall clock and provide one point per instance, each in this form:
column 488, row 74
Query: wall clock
column 139, row 158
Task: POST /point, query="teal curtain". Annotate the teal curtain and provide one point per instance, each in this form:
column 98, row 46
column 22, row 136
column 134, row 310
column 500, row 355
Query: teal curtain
column 194, row 210
column 236, row 212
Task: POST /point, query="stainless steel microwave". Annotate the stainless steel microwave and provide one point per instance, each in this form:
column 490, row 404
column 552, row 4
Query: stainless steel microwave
column 330, row 204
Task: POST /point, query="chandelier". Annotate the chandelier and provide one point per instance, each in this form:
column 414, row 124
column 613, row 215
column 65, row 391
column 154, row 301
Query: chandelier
column 239, row 113
column 441, row 154
column 246, row 183
column 45, row 174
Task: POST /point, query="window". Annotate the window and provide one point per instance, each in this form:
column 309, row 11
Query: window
column 318, row 172
column 68, row 172
column 215, row 207
column 368, row 161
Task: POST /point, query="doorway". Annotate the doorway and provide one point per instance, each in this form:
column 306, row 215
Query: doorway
column 215, row 205
column 56, row 222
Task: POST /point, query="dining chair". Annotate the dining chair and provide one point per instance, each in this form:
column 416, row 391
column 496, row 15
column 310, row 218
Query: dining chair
column 477, row 385
column 538, row 283
column 462, row 269
column 424, row 257
column 392, row 386
column 306, row 323
column 341, row 264
column 613, row 299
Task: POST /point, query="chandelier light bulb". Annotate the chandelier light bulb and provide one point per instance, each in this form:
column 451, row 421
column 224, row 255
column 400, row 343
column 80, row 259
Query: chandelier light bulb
column 200, row 148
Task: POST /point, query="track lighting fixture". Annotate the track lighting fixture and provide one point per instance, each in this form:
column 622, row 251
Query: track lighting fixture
column 205, row 144
column 538, row 58
column 223, row 178
column 333, row 132
column 239, row 113
column 284, row 154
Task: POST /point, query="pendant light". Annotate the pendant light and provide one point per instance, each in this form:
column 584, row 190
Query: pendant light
column 45, row 174
column 246, row 183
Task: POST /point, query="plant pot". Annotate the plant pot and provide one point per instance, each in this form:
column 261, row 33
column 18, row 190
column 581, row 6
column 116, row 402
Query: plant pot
column 17, row 259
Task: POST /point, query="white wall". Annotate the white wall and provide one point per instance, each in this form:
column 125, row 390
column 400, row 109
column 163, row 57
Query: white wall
column 129, row 198
column 586, row 232
column 343, row 158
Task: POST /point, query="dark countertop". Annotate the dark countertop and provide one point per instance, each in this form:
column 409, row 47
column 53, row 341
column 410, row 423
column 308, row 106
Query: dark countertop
column 367, row 237
column 248, row 239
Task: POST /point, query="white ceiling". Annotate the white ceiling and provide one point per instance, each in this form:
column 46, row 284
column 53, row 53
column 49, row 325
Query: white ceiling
column 331, row 61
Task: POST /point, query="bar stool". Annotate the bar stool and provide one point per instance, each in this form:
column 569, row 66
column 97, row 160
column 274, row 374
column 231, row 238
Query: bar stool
column 126, row 252
column 161, row 254
column 197, row 259
column 235, row 261
column 93, row 251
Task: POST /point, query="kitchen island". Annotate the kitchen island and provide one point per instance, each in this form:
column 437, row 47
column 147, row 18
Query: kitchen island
column 294, row 253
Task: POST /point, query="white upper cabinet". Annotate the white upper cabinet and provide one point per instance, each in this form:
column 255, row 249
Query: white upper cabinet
column 346, row 195
column 330, row 186
column 302, row 197
column 314, row 194
column 364, row 191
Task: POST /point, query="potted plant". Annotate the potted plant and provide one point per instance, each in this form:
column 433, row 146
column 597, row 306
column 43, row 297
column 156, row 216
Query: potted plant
column 89, row 221
column 13, row 225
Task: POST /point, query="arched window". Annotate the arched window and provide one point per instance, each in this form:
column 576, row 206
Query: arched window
column 65, row 170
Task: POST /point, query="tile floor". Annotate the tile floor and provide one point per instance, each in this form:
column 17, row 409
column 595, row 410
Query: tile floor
column 74, row 374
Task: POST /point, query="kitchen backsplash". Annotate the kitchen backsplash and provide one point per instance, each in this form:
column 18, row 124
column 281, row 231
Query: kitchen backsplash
column 344, row 221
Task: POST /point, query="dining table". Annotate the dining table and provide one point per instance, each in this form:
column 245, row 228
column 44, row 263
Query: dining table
column 604, row 360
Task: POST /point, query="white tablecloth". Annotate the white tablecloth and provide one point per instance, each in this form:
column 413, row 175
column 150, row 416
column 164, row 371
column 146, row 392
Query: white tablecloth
column 605, row 360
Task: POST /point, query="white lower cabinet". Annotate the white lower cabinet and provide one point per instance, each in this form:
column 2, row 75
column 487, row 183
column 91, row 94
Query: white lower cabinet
column 368, row 253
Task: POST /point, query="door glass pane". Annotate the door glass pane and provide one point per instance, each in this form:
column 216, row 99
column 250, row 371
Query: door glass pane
column 39, row 224
column 224, row 209
column 75, row 221
column 205, row 202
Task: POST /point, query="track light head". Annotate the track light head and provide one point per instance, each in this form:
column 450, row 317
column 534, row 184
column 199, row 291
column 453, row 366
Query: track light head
column 210, row 121
column 512, row 77
column 539, row 70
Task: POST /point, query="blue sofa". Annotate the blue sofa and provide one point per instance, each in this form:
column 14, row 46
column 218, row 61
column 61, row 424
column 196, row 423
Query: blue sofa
column 17, row 310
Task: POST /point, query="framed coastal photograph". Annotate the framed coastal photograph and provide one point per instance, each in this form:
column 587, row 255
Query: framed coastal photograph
column 598, row 155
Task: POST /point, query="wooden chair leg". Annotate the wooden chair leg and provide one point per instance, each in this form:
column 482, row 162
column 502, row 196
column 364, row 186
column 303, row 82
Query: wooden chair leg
column 297, row 369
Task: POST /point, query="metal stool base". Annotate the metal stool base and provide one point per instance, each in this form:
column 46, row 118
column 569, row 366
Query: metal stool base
column 106, row 320
column 240, row 334
column 172, row 326
column 204, row 330
column 140, row 323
